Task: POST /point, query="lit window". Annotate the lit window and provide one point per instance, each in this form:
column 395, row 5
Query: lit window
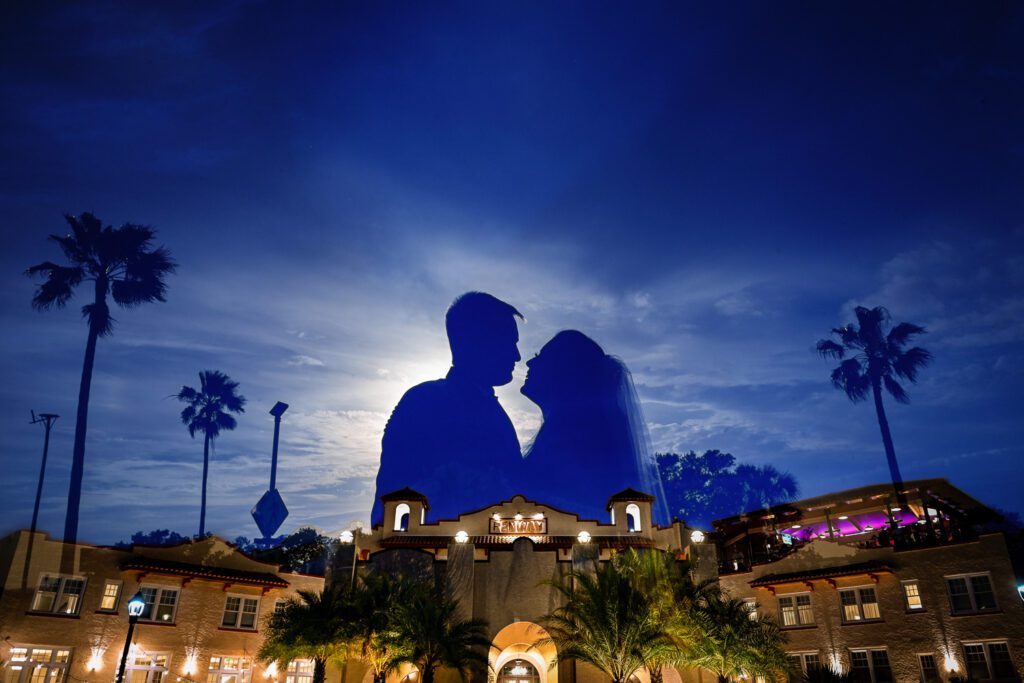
column 989, row 660
column 402, row 511
column 912, row 592
column 859, row 604
column 970, row 593
column 59, row 594
column 161, row 603
column 240, row 611
column 111, row 596
column 37, row 665
column 147, row 667
column 299, row 671
column 633, row 517
column 279, row 605
column 751, row 605
column 870, row 666
column 929, row 670
column 796, row 610
column 805, row 664
column 227, row 669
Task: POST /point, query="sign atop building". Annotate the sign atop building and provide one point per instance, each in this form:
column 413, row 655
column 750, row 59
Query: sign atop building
column 519, row 527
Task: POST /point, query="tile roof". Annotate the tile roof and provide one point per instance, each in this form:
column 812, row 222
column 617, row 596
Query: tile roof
column 228, row 575
column 871, row 567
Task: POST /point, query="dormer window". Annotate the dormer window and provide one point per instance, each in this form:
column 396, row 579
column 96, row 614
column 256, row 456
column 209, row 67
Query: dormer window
column 402, row 512
column 633, row 517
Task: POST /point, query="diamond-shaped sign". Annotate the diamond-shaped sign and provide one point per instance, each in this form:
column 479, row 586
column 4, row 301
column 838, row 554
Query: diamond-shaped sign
column 270, row 513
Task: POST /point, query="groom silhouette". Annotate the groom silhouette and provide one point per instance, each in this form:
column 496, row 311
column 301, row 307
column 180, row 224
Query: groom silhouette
column 450, row 439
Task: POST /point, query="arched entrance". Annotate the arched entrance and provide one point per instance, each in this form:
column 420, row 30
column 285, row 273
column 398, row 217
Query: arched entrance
column 515, row 656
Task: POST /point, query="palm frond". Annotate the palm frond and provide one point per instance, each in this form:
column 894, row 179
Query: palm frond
column 58, row 287
column 851, row 378
column 895, row 389
column 829, row 349
column 908, row 363
column 99, row 318
column 901, row 334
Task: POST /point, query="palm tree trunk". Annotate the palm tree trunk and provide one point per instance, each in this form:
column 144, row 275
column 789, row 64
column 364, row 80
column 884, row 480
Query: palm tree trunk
column 78, row 451
column 723, row 679
column 428, row 674
column 319, row 670
column 206, row 470
column 890, row 450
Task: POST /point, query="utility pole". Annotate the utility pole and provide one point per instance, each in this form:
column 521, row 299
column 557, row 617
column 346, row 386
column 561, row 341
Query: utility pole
column 47, row 419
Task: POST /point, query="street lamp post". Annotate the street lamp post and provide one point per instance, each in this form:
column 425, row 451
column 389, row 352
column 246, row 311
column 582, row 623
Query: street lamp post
column 135, row 607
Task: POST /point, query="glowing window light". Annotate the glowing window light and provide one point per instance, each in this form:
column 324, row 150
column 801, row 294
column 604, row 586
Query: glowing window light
column 461, row 537
column 519, row 670
column 583, row 537
column 697, row 536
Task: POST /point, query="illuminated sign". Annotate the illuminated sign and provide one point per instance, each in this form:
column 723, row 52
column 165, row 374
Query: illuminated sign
column 519, row 527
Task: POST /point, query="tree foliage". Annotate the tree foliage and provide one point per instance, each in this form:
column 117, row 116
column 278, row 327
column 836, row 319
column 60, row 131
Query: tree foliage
column 310, row 627
column 702, row 488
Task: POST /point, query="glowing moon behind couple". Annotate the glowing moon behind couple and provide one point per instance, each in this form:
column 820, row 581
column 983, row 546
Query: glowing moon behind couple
column 451, row 440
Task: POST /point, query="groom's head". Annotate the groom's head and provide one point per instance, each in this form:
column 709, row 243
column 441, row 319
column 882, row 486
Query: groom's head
column 483, row 337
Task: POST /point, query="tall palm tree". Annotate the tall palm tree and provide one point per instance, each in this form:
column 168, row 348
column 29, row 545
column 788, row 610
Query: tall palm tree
column 606, row 620
column 876, row 359
column 312, row 627
column 121, row 264
column 374, row 627
column 208, row 412
column 436, row 637
column 733, row 646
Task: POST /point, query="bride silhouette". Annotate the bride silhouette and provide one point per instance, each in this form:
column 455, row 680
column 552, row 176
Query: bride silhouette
column 593, row 441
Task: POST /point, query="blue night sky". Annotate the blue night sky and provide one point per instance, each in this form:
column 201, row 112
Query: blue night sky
column 706, row 190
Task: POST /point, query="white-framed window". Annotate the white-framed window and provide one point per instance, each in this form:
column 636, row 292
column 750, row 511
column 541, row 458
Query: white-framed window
column 912, row 596
column 147, row 667
column 633, row 517
column 870, row 666
column 929, row 669
column 111, row 595
column 279, row 605
column 59, row 594
column 859, row 604
column 751, row 605
column 241, row 611
column 804, row 664
column 795, row 609
column 402, row 511
column 229, row 669
column 161, row 604
column 299, row 671
column 970, row 593
column 37, row 665
column 989, row 660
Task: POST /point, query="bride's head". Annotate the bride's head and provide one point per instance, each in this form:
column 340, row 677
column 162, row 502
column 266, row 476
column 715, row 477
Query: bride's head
column 572, row 372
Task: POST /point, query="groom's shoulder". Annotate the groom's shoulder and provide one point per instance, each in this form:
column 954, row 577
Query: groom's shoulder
column 422, row 397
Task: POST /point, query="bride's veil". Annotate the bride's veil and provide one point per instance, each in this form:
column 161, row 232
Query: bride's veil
column 640, row 441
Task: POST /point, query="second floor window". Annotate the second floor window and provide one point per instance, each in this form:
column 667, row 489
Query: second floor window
column 795, row 610
column 912, row 593
column 970, row 593
column 240, row 612
column 161, row 604
column 59, row 594
column 859, row 604
column 111, row 596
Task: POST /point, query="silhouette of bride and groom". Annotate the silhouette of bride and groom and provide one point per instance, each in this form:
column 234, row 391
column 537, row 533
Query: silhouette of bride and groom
column 451, row 440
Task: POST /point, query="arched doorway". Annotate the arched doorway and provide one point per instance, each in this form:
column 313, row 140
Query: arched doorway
column 516, row 657
column 518, row 671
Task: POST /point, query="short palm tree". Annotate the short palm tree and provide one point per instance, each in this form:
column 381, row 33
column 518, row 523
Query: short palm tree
column 436, row 637
column 312, row 627
column 873, row 359
column 208, row 411
column 731, row 645
column 374, row 627
column 121, row 264
column 606, row 621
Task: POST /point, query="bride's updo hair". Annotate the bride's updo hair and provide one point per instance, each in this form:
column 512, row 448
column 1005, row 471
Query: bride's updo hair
column 582, row 373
